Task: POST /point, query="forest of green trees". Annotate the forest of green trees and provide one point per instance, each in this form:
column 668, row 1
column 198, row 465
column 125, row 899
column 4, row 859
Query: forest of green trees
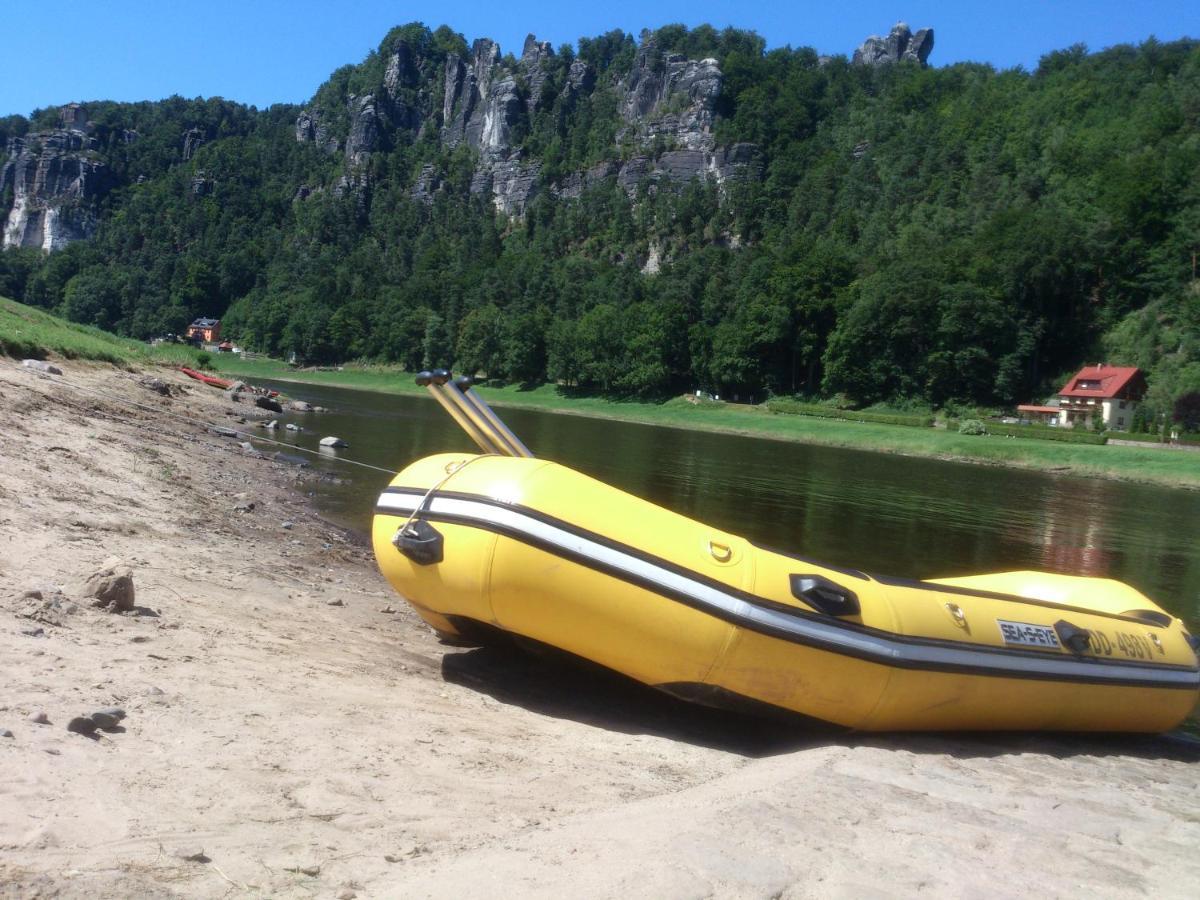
column 934, row 236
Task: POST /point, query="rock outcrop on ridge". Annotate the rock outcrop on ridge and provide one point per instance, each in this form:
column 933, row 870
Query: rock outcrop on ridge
column 53, row 182
column 900, row 44
column 666, row 107
column 55, row 178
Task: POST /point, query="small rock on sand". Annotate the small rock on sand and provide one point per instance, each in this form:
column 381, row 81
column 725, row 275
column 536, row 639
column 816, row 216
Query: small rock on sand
column 286, row 526
column 5, row 733
column 336, row 601
column 155, row 384
column 347, row 894
column 192, row 854
column 41, row 366
column 108, row 718
column 40, row 718
column 111, row 585
column 82, row 725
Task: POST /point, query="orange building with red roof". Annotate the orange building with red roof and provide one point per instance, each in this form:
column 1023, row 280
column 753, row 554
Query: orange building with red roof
column 1101, row 394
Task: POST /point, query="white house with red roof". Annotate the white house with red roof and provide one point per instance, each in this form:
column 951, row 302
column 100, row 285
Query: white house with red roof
column 1101, row 394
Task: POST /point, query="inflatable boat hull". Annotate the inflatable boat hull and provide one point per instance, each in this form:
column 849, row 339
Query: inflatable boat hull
column 539, row 550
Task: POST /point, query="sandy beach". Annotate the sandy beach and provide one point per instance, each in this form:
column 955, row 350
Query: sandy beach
column 292, row 729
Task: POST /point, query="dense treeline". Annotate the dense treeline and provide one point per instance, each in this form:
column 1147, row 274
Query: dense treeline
column 938, row 235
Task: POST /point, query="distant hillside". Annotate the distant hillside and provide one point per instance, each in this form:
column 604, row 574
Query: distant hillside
column 644, row 216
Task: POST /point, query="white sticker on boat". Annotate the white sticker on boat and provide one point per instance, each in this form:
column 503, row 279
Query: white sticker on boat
column 1027, row 635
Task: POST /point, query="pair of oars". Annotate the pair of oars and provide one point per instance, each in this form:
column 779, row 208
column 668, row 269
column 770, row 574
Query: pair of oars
column 471, row 413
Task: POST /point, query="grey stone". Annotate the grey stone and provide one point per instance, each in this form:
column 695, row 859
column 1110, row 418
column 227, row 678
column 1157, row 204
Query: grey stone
column 192, row 854
column 900, row 44
column 332, row 441
column 224, row 432
column 50, row 610
column 272, row 425
column 57, row 185
column 108, row 718
column 668, row 100
column 290, row 427
column 111, row 585
column 155, row 384
column 336, row 601
column 268, row 403
column 299, row 406
column 40, row 718
column 33, row 632
column 245, row 506
column 286, row 526
column 534, row 56
column 41, row 366
column 5, row 733
column 193, row 140
column 311, row 128
column 82, row 725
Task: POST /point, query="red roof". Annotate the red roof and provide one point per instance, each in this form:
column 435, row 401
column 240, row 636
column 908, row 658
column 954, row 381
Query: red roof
column 1104, row 382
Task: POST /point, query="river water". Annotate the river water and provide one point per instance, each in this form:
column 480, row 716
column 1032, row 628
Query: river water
column 914, row 518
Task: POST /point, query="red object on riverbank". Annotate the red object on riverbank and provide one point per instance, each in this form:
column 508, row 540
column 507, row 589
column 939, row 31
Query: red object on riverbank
column 224, row 383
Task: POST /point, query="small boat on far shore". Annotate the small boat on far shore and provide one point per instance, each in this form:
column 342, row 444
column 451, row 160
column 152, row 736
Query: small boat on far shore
column 225, row 383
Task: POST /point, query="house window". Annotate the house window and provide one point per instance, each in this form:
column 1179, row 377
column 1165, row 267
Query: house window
column 1121, row 404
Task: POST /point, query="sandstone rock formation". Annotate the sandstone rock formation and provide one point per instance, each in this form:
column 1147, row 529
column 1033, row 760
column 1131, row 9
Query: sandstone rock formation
column 56, row 180
column 900, row 44
column 666, row 103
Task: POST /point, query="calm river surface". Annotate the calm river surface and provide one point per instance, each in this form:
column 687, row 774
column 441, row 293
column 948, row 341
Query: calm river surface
column 910, row 517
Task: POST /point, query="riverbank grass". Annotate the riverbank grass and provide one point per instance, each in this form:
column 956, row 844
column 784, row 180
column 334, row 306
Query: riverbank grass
column 27, row 332
column 1177, row 468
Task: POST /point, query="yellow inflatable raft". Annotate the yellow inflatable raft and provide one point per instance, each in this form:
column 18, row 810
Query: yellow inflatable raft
column 536, row 549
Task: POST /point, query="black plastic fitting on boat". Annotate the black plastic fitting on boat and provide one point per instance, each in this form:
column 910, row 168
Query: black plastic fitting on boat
column 822, row 594
column 420, row 542
column 440, row 376
column 1074, row 638
column 424, row 378
column 464, row 383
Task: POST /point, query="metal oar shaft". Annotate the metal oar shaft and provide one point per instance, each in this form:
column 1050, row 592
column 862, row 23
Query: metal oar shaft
column 497, row 427
column 444, row 397
column 472, row 414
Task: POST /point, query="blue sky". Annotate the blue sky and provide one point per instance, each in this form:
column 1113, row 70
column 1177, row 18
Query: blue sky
column 269, row 51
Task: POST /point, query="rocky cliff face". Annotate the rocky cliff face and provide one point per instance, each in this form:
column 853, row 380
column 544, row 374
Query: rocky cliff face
column 666, row 104
column 900, row 44
column 55, row 180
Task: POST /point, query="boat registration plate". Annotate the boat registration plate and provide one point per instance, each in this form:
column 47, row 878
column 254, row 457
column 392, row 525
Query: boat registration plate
column 1025, row 635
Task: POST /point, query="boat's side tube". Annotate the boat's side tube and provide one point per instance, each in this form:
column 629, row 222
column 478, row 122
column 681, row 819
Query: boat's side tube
column 498, row 429
column 445, row 397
